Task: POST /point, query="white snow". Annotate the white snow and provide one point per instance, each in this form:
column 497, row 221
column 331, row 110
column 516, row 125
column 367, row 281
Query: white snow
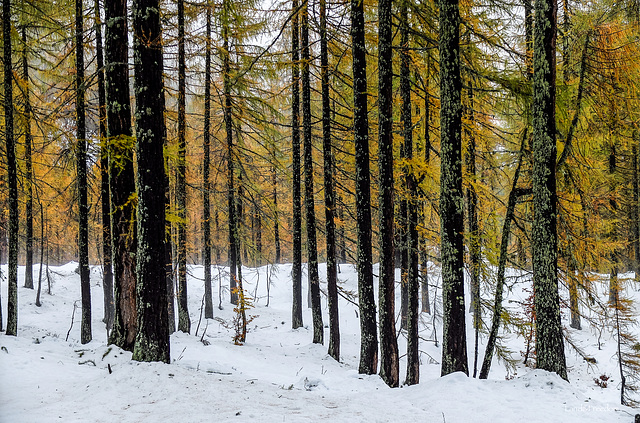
column 278, row 375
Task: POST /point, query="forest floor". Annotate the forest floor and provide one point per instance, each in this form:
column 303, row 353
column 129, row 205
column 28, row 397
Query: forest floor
column 279, row 375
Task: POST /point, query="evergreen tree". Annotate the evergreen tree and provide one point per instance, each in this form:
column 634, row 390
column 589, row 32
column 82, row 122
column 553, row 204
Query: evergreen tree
column 549, row 339
column 152, row 338
column 454, row 344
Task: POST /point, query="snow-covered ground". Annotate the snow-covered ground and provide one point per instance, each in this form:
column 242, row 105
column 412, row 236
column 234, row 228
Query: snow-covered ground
column 278, row 375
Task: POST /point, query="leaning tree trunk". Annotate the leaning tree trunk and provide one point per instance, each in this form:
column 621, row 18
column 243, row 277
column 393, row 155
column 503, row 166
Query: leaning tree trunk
column 368, row 337
column 454, row 344
column 296, row 271
column 389, row 366
column 121, row 174
column 107, row 273
column 12, row 173
column 549, row 341
column 81, row 168
column 184, row 322
column 329, row 196
column 152, row 339
column 206, row 187
column 28, row 142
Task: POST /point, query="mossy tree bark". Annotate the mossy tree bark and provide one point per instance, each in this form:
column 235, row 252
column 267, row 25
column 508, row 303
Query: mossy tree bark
column 296, row 271
column 549, row 340
column 454, row 348
column 81, row 169
column 368, row 330
column 152, row 338
column 121, row 174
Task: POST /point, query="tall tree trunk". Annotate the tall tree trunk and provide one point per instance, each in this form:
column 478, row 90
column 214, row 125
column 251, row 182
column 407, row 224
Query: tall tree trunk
column 228, row 124
column 28, row 142
column 296, row 271
column 413, row 287
column 184, row 322
column 475, row 258
column 549, row 340
column 613, row 278
column 454, row 344
column 81, row 168
column 206, row 188
column 276, row 215
column 636, row 205
column 152, row 339
column 329, row 195
column 368, row 336
column 121, row 174
column 426, row 307
column 389, row 366
column 107, row 273
column 312, row 249
column 12, row 172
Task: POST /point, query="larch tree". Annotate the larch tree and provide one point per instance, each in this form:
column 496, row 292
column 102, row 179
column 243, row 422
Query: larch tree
column 12, row 172
column 28, row 161
column 184, row 322
column 121, row 174
column 329, row 194
column 152, row 337
column 454, row 344
column 206, row 187
column 312, row 248
column 368, row 328
column 107, row 272
column 81, row 169
column 549, row 339
column 389, row 365
column 296, row 271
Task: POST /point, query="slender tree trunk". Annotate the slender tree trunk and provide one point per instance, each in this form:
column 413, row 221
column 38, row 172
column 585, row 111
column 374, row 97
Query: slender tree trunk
column 413, row 287
column 572, row 282
column 81, row 168
column 454, row 344
column 312, row 249
column 28, row 142
column 426, row 306
column 121, row 174
column 368, row 337
column 296, row 271
column 549, row 340
column 12, row 173
column 636, row 205
column 329, row 195
column 206, row 206
column 152, row 338
column 38, row 303
column 276, row 218
column 389, row 366
column 184, row 322
column 107, row 273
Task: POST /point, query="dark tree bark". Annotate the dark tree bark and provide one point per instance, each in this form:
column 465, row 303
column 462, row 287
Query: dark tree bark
column 389, row 365
column 152, row 338
column 42, row 247
column 81, row 169
column 426, row 306
column 454, row 344
column 121, row 174
column 413, row 287
column 184, row 322
column 296, row 271
column 107, row 273
column 12, row 173
column 28, row 142
column 206, row 188
column 276, row 215
column 368, row 336
column 549, row 340
column 312, row 249
column 329, row 195
column 636, row 205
